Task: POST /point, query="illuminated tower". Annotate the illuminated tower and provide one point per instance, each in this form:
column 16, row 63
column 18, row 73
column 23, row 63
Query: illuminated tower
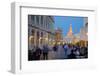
column 70, row 33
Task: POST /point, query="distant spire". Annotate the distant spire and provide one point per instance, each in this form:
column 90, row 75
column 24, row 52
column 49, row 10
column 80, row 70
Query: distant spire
column 70, row 33
column 70, row 28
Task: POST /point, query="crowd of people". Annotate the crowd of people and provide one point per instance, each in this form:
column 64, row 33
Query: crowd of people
column 61, row 51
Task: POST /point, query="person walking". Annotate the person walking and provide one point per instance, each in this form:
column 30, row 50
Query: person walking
column 72, row 55
column 60, row 52
column 51, row 53
column 69, row 50
column 38, row 53
column 65, row 49
column 45, row 52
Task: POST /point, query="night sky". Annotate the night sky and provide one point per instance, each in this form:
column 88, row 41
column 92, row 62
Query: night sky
column 64, row 22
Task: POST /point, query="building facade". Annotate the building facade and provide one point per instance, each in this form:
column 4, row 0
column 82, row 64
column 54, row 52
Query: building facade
column 58, row 36
column 40, row 30
column 84, row 33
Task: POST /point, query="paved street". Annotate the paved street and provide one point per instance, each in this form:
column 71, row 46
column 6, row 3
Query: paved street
column 56, row 54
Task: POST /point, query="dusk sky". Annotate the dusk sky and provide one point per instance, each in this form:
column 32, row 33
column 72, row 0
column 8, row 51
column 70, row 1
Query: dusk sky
column 64, row 22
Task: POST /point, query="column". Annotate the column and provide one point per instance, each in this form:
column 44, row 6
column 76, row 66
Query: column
column 44, row 22
column 35, row 20
column 40, row 21
column 29, row 19
column 35, row 37
column 39, row 38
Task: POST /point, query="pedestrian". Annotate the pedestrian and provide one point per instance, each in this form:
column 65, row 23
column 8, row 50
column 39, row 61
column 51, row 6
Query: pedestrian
column 34, row 53
column 51, row 53
column 65, row 49
column 38, row 53
column 41, row 56
column 72, row 55
column 55, row 47
column 60, row 52
column 45, row 52
column 69, row 50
